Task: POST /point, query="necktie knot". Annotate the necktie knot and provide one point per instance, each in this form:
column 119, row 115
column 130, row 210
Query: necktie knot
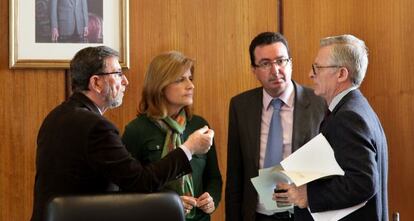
column 327, row 112
column 276, row 104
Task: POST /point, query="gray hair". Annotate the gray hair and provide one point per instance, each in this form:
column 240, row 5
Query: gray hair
column 350, row 52
column 87, row 62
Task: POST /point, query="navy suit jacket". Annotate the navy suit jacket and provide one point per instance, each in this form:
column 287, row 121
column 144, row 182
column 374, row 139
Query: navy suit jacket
column 81, row 152
column 244, row 144
column 358, row 140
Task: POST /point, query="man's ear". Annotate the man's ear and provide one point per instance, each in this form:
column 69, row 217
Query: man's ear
column 95, row 84
column 343, row 74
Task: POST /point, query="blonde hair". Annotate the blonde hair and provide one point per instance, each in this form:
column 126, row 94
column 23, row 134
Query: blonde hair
column 163, row 70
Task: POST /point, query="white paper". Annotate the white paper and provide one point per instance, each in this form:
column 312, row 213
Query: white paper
column 334, row 215
column 265, row 183
column 312, row 161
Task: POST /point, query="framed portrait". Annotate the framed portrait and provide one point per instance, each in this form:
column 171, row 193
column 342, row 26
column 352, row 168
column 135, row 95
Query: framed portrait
column 48, row 33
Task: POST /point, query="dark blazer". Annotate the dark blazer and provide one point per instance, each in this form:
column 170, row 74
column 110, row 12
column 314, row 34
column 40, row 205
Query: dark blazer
column 145, row 140
column 358, row 140
column 244, row 144
column 81, row 152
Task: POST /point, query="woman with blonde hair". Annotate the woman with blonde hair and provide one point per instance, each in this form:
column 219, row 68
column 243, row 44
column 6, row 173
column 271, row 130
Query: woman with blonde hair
column 164, row 122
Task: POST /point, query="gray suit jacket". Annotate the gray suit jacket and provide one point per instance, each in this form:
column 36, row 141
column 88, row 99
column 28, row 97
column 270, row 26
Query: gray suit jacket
column 68, row 16
column 244, row 144
column 358, row 140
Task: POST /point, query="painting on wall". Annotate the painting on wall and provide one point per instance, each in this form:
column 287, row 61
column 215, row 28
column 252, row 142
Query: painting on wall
column 48, row 33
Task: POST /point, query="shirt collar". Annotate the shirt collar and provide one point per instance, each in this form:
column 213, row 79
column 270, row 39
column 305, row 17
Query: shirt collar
column 339, row 97
column 286, row 97
column 99, row 109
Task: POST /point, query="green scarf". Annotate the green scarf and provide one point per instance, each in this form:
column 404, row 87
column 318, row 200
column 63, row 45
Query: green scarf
column 174, row 129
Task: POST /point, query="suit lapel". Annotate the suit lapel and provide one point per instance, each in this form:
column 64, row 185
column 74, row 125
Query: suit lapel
column 352, row 94
column 300, row 115
column 254, row 121
column 345, row 99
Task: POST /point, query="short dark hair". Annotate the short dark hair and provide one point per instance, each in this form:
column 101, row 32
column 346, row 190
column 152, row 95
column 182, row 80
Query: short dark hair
column 87, row 62
column 266, row 38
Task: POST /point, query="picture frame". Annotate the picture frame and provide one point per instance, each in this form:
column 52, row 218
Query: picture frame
column 31, row 32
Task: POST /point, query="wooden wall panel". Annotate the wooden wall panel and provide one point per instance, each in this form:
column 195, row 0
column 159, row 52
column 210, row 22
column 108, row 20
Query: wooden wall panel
column 29, row 96
column 26, row 96
column 387, row 28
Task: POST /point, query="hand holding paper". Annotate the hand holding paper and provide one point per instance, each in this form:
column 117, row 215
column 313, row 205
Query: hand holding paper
column 293, row 194
column 312, row 161
column 265, row 184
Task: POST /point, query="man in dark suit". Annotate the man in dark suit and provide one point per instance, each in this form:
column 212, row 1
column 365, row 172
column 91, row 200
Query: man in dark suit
column 69, row 20
column 80, row 152
column 249, row 118
column 355, row 134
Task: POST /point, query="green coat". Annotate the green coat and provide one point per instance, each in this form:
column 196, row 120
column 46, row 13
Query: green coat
column 145, row 140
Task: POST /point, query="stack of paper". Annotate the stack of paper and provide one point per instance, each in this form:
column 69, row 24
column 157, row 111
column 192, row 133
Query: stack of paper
column 312, row 161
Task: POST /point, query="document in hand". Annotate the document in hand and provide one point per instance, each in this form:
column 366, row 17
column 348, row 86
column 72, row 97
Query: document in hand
column 265, row 184
column 312, row 161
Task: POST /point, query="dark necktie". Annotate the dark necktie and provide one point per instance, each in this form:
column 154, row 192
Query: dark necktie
column 274, row 148
column 327, row 113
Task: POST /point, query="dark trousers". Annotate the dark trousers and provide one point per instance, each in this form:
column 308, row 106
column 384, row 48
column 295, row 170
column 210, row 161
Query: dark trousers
column 284, row 216
column 74, row 38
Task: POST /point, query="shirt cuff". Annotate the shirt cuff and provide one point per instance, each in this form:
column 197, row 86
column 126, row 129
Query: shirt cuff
column 187, row 152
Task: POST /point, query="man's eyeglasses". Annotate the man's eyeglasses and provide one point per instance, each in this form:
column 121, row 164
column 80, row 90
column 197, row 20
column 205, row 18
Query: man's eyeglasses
column 315, row 66
column 267, row 65
column 119, row 73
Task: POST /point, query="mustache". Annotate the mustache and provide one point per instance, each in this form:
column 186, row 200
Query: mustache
column 275, row 78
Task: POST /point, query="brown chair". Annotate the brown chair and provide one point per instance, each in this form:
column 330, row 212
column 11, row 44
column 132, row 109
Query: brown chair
column 116, row 207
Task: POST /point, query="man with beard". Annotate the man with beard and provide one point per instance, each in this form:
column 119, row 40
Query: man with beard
column 80, row 152
column 260, row 134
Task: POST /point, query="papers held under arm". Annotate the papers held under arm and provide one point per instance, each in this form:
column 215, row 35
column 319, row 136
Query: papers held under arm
column 312, row 161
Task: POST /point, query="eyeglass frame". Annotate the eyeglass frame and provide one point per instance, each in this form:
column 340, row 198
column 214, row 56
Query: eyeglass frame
column 314, row 66
column 267, row 65
column 119, row 73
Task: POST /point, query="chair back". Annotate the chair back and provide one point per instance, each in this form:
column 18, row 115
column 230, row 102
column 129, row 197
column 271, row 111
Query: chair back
column 116, row 207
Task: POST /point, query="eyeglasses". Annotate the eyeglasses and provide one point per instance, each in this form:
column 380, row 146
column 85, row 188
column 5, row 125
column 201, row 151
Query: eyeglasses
column 267, row 65
column 119, row 73
column 315, row 66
